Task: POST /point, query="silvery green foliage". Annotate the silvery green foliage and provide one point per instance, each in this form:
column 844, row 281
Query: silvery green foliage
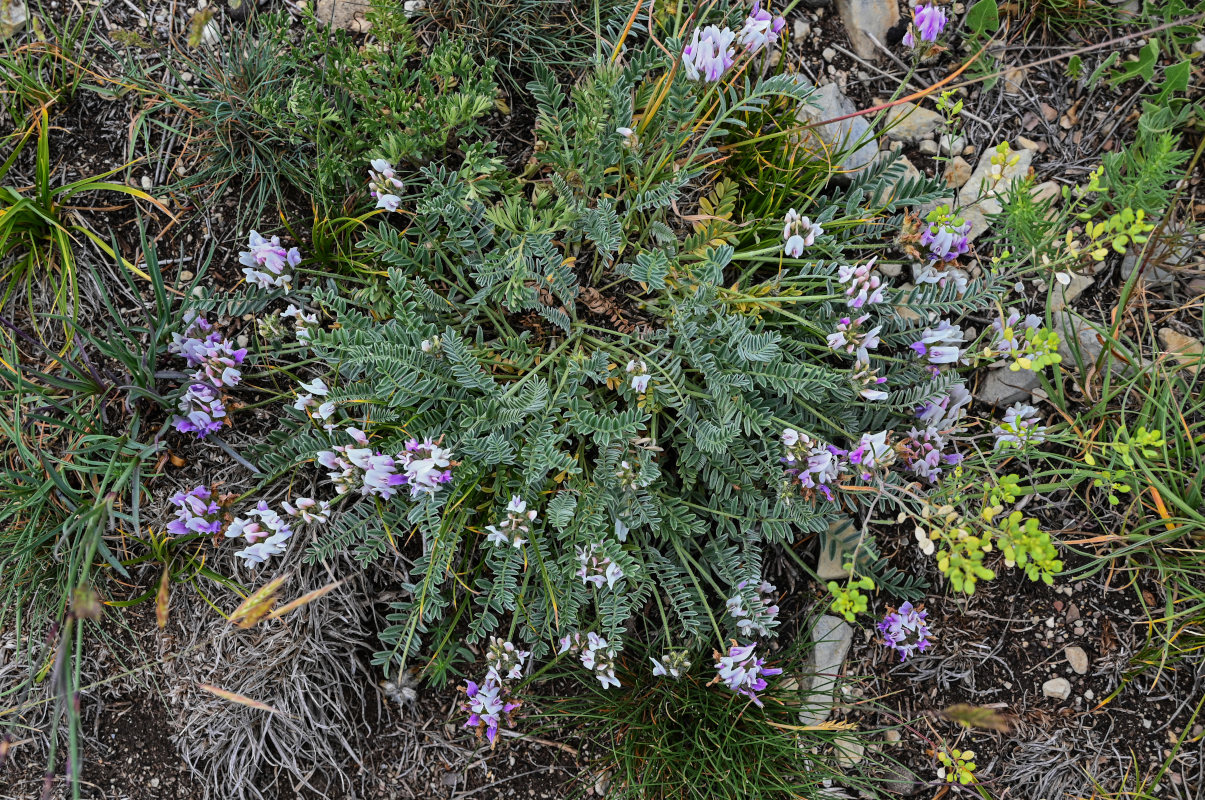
column 483, row 334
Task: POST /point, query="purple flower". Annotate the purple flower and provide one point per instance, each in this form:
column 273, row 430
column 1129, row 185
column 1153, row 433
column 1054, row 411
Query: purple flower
column 945, row 412
column 930, row 22
column 709, row 54
column 742, row 672
column 814, row 464
column 201, row 411
column 640, row 375
column 196, row 512
column 309, row 510
column 427, row 466
column 905, row 630
column 759, row 28
column 267, row 264
column 946, row 239
column 873, row 452
column 487, row 704
column 923, row 452
column 761, row 613
column 940, row 345
column 597, row 655
column 216, row 359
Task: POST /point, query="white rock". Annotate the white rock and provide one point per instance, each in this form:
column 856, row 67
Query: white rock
column 832, row 637
column 1058, row 688
column 828, row 54
column 911, row 123
column 981, row 185
column 864, row 19
column 928, row 147
column 826, row 103
column 147, row 183
column 1077, row 658
column 800, row 30
column 13, row 16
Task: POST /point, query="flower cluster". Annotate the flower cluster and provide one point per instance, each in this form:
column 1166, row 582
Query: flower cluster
column 760, row 616
column 673, row 664
column 940, row 345
column 862, row 286
column 814, row 464
column 505, row 661
column 487, row 705
column 217, row 363
column 742, row 672
column 518, row 522
column 383, row 184
column 196, row 512
column 426, row 466
column 352, row 468
column 267, row 264
column 928, row 22
column 640, row 376
column 905, row 630
column 201, row 411
column 309, row 510
column 709, row 54
column 1020, row 427
column 304, row 324
column 266, row 533
column 799, row 233
column 850, row 337
column 923, row 452
column 596, row 567
column 872, row 453
column 865, row 378
column 946, row 235
column 759, row 28
column 215, row 359
column 597, row 655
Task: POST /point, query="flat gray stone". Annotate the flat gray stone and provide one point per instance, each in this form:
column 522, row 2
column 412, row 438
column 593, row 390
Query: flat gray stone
column 982, row 185
column 911, row 123
column 1003, row 387
column 866, row 18
column 828, row 102
column 830, row 565
column 1164, row 256
column 1062, row 296
column 832, row 637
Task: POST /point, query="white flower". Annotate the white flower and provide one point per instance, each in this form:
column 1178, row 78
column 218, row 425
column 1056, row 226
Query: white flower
column 316, row 386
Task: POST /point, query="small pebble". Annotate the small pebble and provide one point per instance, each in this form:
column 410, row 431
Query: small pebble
column 147, row 183
column 1058, row 688
column 928, row 147
column 828, row 54
column 1077, row 658
column 186, row 275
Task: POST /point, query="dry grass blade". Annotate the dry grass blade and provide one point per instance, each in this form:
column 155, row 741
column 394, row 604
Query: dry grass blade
column 258, row 604
column 977, row 717
column 306, row 598
column 242, row 700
